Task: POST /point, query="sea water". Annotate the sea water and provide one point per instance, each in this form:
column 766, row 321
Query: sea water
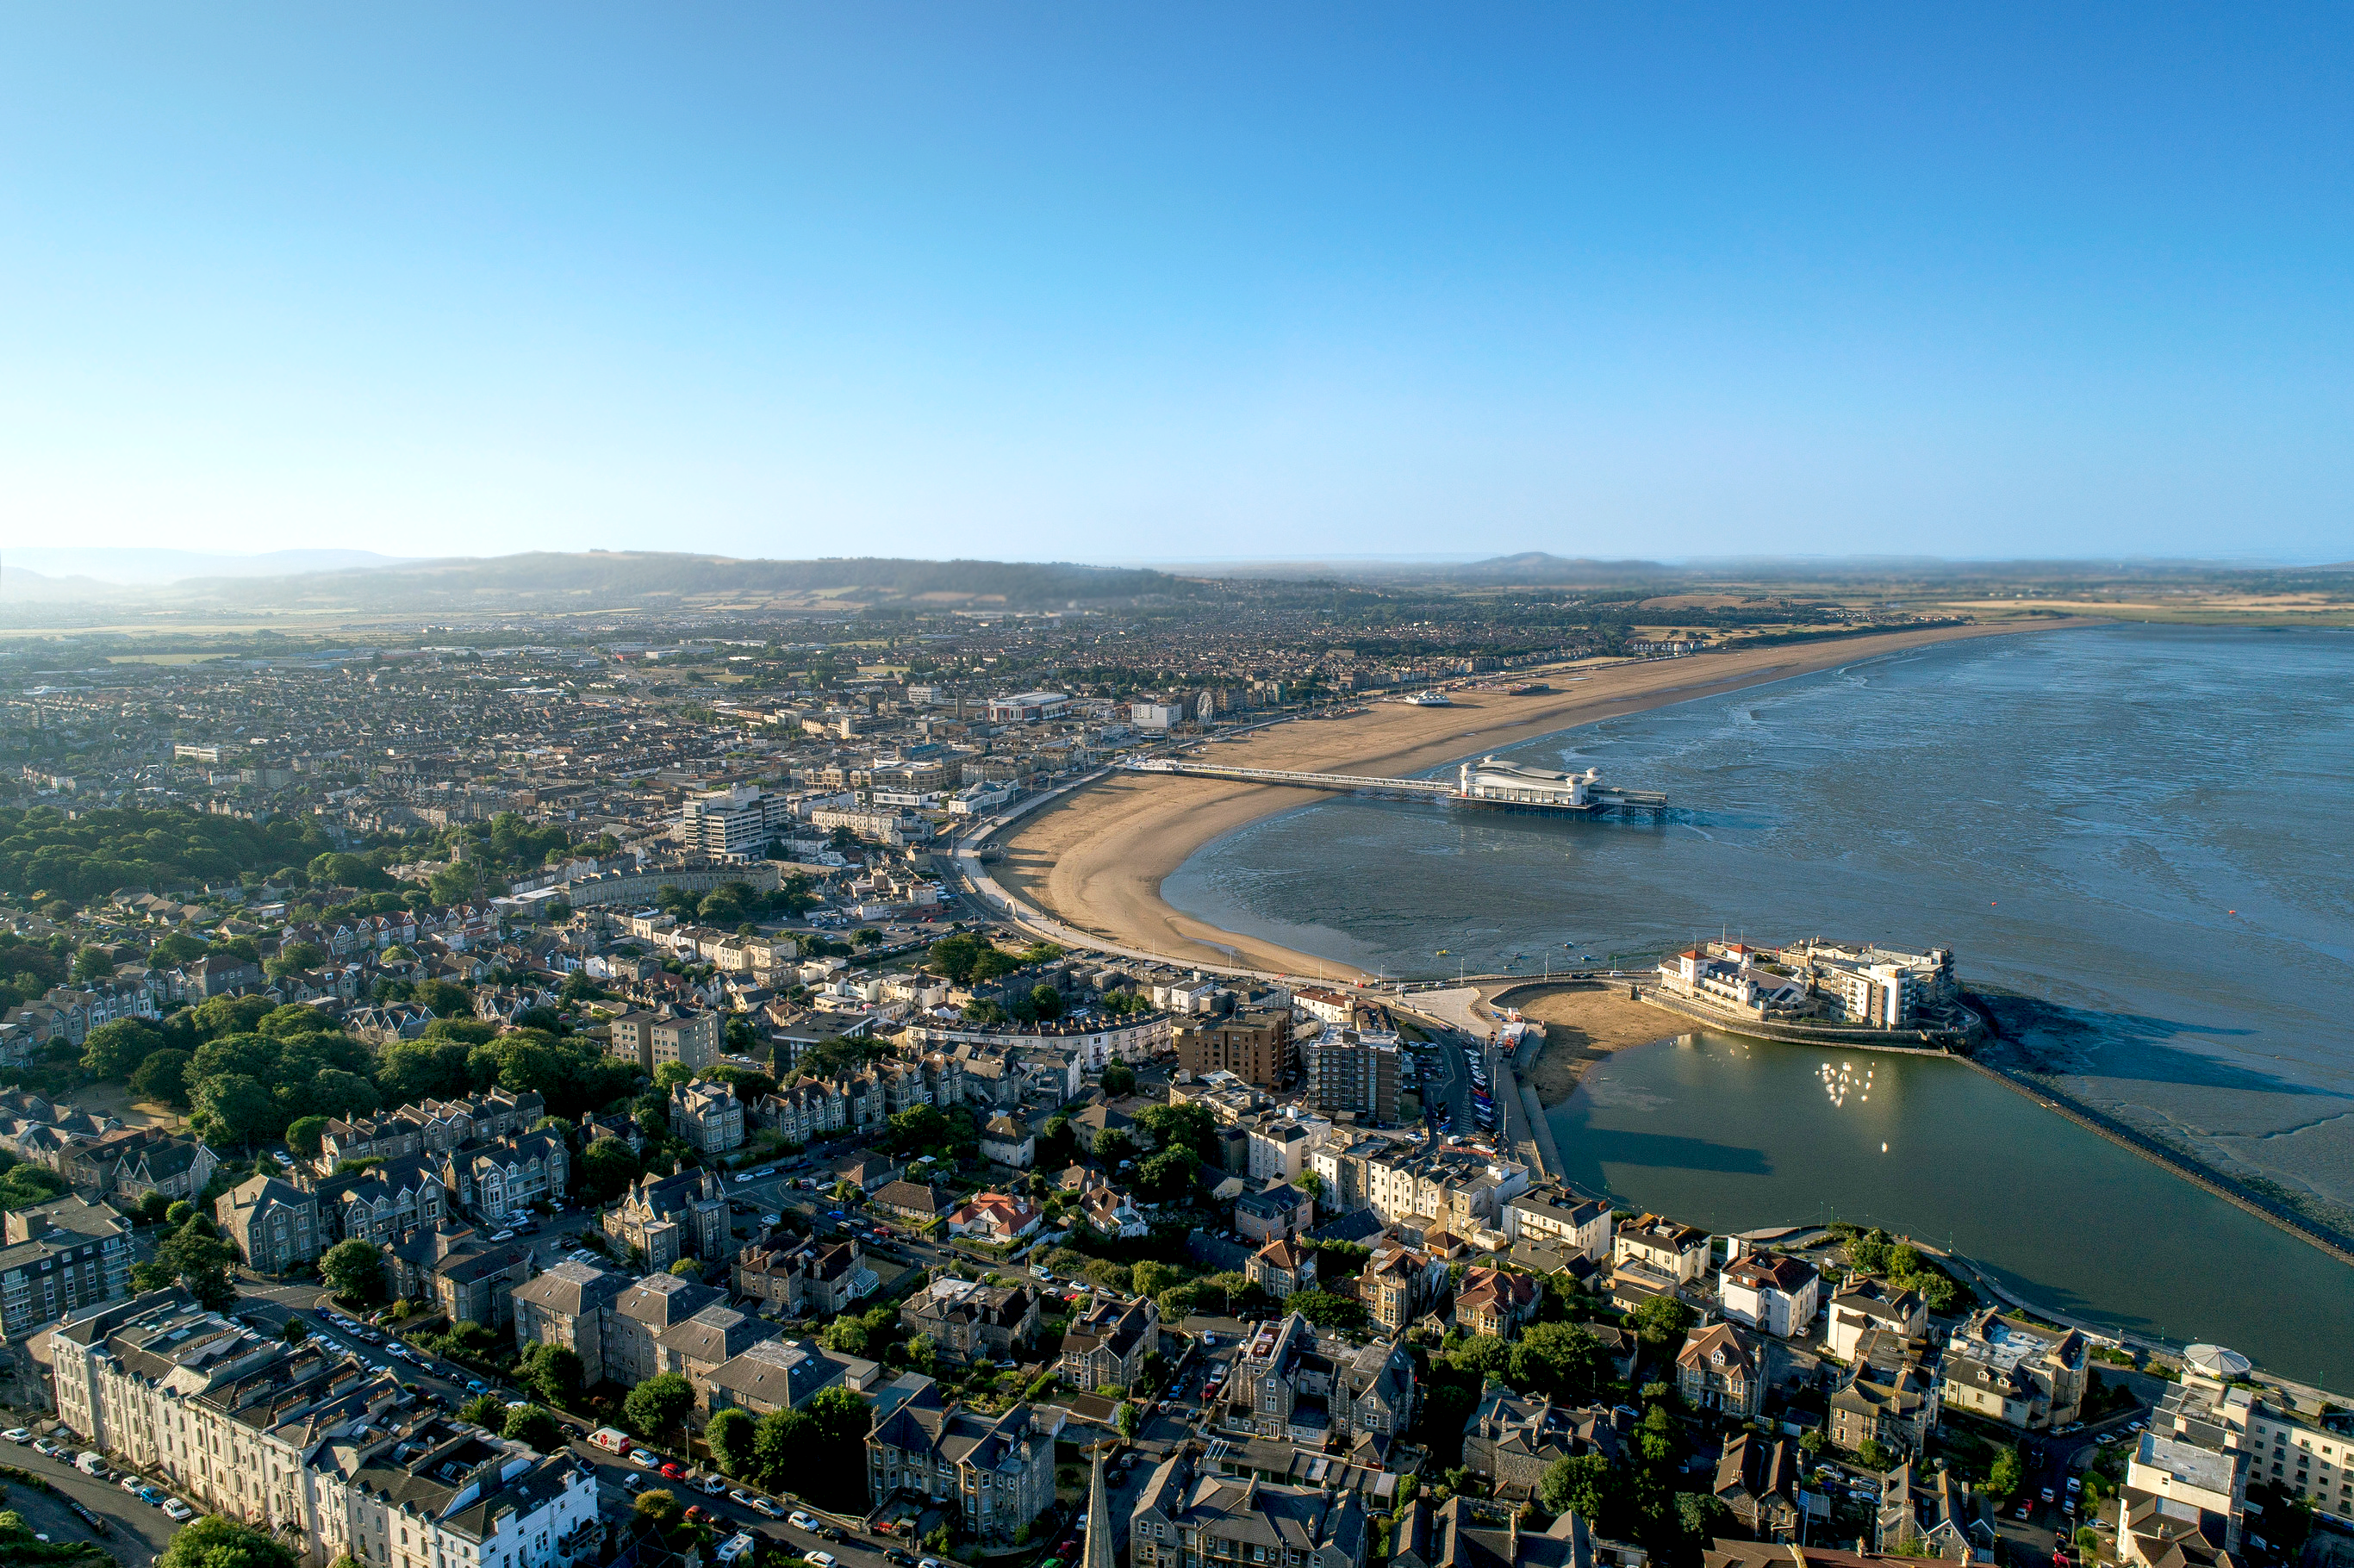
column 2135, row 838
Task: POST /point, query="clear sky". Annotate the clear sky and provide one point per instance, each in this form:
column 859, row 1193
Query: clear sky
column 1113, row 281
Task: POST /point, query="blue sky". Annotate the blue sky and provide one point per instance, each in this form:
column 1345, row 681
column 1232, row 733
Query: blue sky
column 1118, row 283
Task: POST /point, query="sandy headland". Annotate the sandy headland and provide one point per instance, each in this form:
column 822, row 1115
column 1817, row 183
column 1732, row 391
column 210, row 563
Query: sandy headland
column 1095, row 859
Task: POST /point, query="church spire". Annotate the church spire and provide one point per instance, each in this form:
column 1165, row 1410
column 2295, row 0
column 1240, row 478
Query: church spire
column 1102, row 1548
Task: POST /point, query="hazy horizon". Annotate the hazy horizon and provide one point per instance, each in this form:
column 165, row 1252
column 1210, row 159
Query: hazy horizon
column 1059, row 283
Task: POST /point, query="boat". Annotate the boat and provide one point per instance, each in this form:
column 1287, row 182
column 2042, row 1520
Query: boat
column 1430, row 700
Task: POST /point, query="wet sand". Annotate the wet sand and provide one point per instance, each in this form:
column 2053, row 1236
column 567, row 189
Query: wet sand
column 1096, row 858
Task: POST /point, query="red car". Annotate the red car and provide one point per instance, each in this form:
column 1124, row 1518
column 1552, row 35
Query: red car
column 696, row 1514
column 671, row 1472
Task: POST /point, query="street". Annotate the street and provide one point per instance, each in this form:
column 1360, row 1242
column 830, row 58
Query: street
column 138, row 1531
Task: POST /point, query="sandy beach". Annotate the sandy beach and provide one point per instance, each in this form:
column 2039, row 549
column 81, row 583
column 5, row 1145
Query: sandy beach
column 1583, row 1024
column 1096, row 858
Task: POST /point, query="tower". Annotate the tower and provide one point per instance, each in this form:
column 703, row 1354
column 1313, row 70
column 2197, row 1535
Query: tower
column 1101, row 1548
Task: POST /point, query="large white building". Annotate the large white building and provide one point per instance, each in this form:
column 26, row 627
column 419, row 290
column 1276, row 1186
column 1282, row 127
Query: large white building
column 305, row 1442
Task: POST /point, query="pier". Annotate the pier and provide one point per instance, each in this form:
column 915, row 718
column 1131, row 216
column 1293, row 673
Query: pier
column 1491, row 783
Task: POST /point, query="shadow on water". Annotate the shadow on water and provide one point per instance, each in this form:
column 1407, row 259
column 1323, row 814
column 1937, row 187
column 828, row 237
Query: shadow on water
column 1585, row 1149
column 2047, row 1037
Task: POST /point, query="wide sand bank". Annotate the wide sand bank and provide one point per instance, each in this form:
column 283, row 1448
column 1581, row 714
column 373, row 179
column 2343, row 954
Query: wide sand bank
column 1096, row 858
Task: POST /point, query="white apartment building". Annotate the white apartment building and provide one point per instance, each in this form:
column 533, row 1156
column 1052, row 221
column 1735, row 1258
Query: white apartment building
column 306, row 1443
column 1573, row 1225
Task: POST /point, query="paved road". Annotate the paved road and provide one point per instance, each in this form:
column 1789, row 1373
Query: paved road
column 138, row 1531
column 857, row 1548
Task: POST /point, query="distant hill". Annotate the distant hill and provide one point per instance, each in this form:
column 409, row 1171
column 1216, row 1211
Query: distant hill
column 603, row 578
column 138, row 567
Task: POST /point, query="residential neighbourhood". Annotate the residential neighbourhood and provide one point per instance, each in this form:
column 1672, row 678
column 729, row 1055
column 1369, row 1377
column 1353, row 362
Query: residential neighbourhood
column 735, row 1117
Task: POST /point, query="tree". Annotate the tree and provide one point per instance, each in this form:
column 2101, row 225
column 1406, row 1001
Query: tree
column 668, row 1075
column 553, row 1371
column 1311, row 1183
column 1327, row 1310
column 115, row 1050
column 210, row 1541
column 294, row 958
column 237, row 1105
column 1112, row 1147
column 1167, row 1176
column 1046, row 1001
column 919, row 1128
column 1118, row 1079
column 1150, row 1278
column 92, row 964
column 1584, row 1485
column 687, row 1268
column 353, row 1270
column 305, row 1133
column 535, row 1427
column 657, row 1506
column 658, row 1404
column 1661, row 1322
column 163, row 1075
column 1130, row 1418
column 839, row 1419
column 730, row 1433
column 1483, row 1356
column 295, row 1331
column 2007, row 1472
column 607, row 1168
column 780, row 1444
column 1871, row 1456
column 487, row 1410
column 1560, row 1359
column 192, row 1257
column 1701, row 1517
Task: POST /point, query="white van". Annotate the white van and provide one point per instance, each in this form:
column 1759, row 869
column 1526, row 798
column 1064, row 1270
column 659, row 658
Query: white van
column 91, row 1464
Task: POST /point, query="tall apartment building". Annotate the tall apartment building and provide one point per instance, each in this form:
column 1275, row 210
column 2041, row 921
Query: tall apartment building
column 1356, row 1074
column 1255, row 1046
column 571, row 1304
column 58, row 1258
column 649, row 1039
column 737, row 821
column 994, row 1473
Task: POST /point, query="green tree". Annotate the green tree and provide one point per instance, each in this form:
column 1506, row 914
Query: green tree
column 607, row 1168
column 553, row 1371
column 916, row 1129
column 1560, row 1359
column 1701, row 1517
column 21, row 1186
column 353, row 1270
column 668, row 1075
column 687, row 1268
column 781, row 1443
column 295, row 958
column 163, row 1075
column 193, row 1258
column 658, row 1507
column 839, row 1419
column 1483, row 1356
column 1112, row 1147
column 237, row 1105
column 1661, row 1322
column 2004, row 1479
column 730, row 1433
column 208, row 1540
column 535, row 1427
column 1166, row 1177
column 305, row 1133
column 1871, row 1456
column 179, row 1212
column 1130, row 1418
column 487, row 1410
column 1584, row 1485
column 658, row 1404
column 116, row 1050
column 1118, row 1079
column 92, row 964
column 1327, row 1310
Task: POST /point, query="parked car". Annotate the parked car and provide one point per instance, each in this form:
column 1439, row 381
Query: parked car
column 19, row 1435
column 742, row 1498
column 645, row 1459
column 763, row 1505
column 670, row 1471
column 800, row 1521
column 177, row 1511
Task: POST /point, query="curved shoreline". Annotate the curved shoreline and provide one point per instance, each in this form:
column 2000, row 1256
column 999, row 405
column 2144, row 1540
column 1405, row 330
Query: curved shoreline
column 1095, row 859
